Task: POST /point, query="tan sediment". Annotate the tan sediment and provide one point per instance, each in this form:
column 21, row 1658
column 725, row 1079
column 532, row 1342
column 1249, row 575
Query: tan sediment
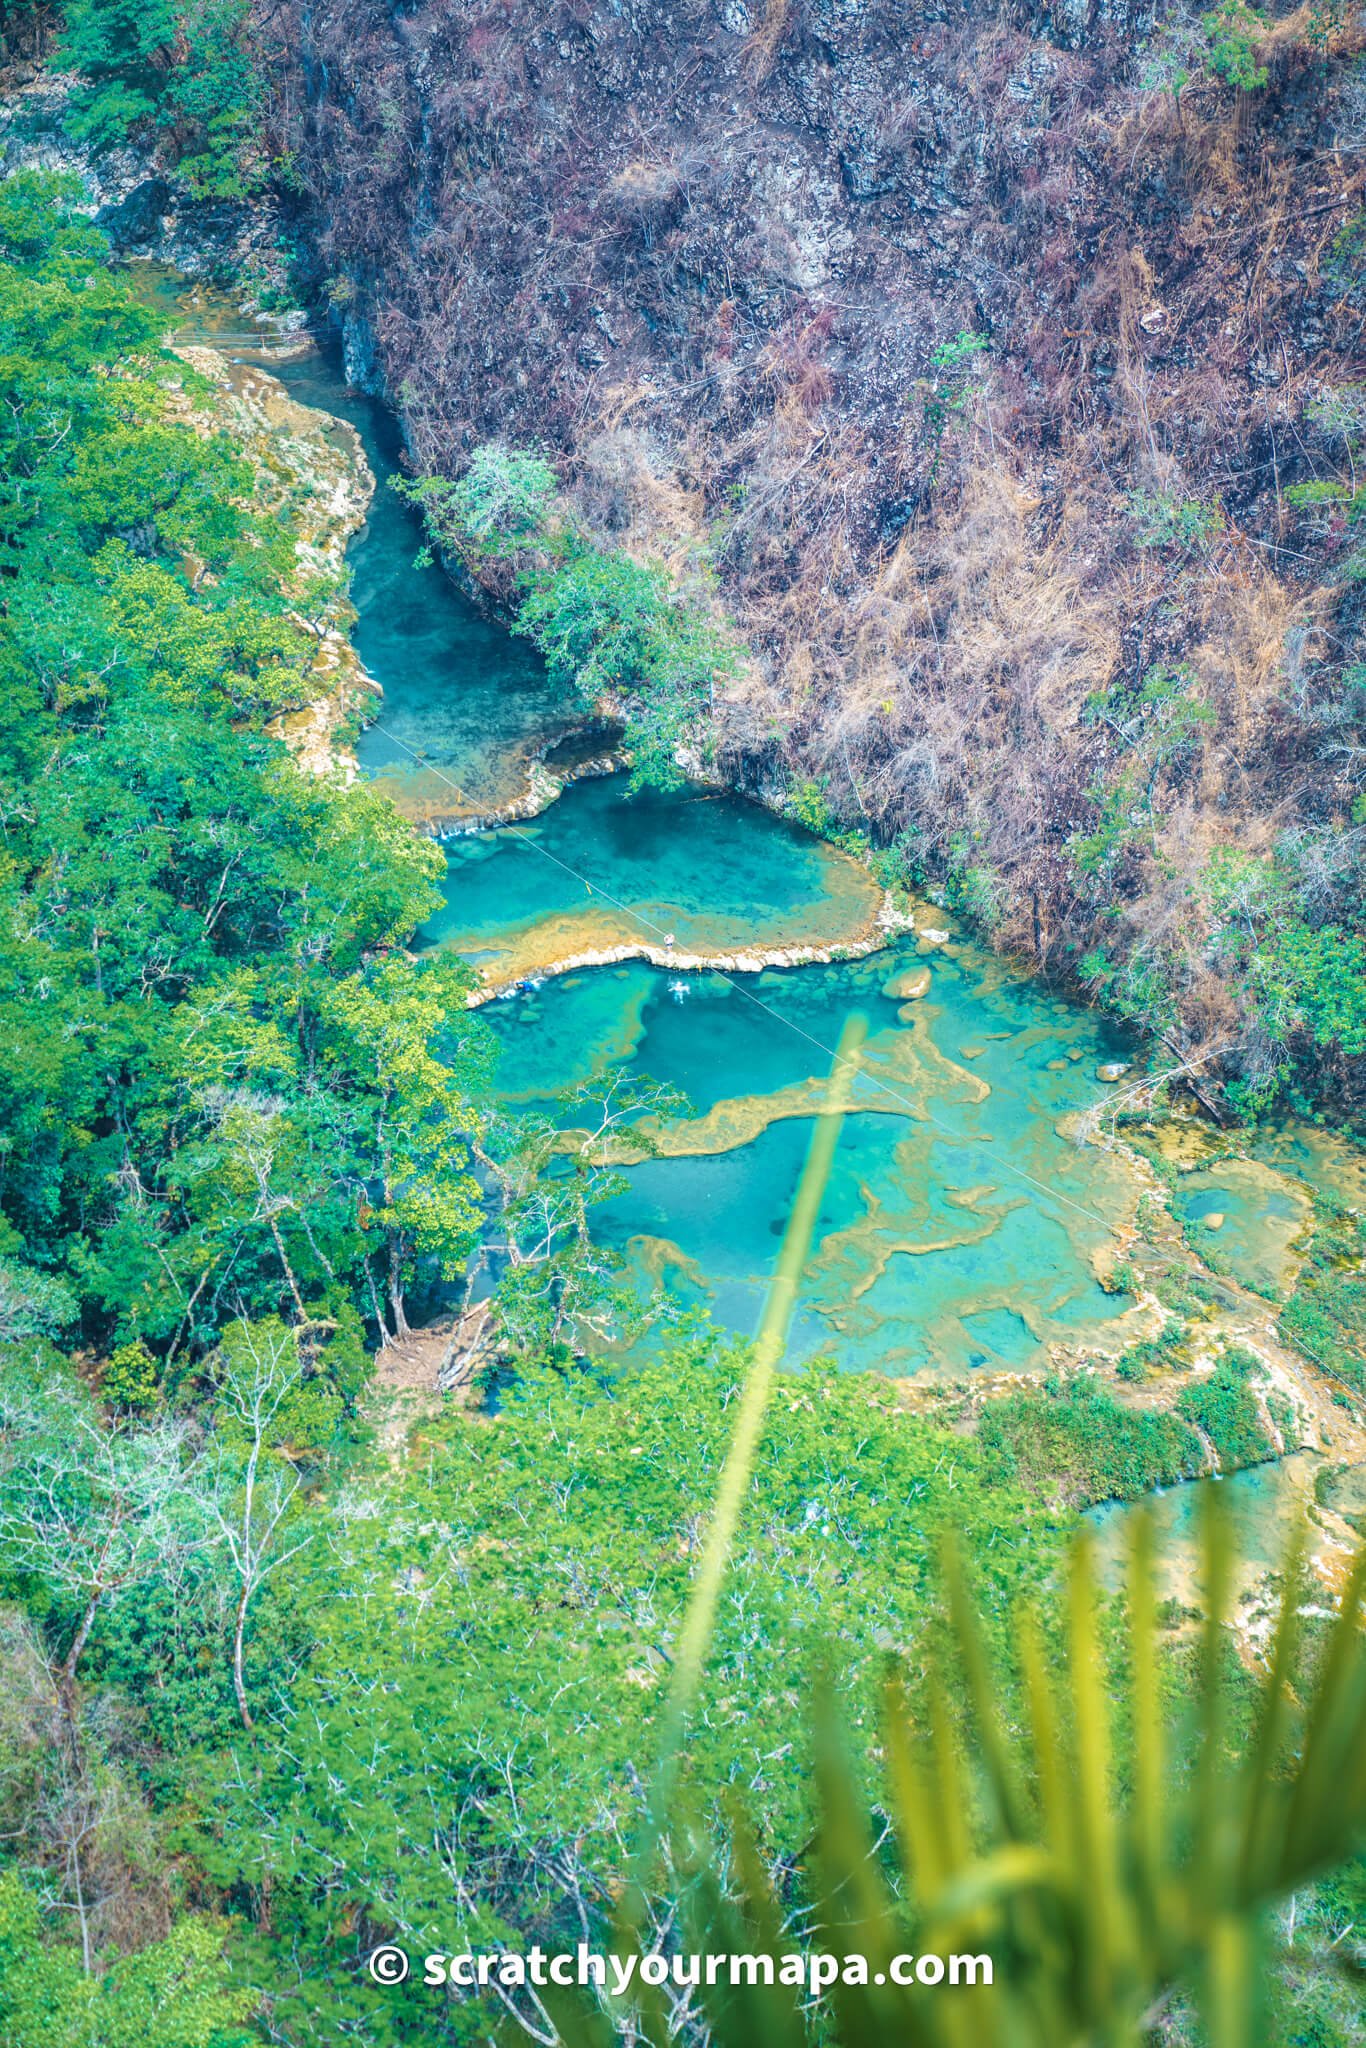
column 553, row 946
column 660, row 1255
column 543, row 786
column 311, row 465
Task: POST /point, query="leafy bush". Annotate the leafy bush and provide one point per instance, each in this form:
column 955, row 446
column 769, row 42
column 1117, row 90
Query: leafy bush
column 1223, row 1406
column 1234, row 30
column 501, row 504
column 1163, row 521
column 1315, row 981
column 1163, row 1353
column 130, row 1378
column 605, row 622
column 1080, row 1444
column 172, row 1994
column 1137, row 988
column 547, row 1555
column 1325, row 1317
column 808, row 803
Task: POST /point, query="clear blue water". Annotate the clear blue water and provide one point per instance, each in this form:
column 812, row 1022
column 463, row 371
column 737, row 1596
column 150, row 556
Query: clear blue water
column 962, row 1224
column 458, row 688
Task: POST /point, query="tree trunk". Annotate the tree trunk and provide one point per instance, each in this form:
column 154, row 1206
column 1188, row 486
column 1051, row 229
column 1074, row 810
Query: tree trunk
column 87, row 1960
column 396, row 1289
column 289, row 1270
column 66, row 1677
column 238, row 1640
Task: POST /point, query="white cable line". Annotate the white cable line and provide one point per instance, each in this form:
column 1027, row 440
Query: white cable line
column 917, row 1110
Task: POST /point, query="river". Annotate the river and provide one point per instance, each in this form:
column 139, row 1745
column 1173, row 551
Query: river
column 965, row 1230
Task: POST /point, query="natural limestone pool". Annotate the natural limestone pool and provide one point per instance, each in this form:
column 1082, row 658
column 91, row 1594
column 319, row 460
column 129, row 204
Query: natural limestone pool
column 965, row 1228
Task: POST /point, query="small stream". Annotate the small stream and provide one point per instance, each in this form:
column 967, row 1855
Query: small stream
column 964, row 1228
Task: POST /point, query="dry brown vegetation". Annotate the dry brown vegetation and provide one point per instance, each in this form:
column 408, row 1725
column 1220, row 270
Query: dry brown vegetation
column 706, row 254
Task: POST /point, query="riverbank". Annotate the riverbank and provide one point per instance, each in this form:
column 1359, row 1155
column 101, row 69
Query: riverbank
column 311, row 467
column 950, row 1360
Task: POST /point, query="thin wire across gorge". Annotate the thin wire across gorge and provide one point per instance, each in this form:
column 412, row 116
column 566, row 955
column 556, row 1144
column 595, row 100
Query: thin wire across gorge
column 917, row 1110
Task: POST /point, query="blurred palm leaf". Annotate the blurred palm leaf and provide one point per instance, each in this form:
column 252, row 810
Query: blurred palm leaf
column 1109, row 1864
column 1100, row 1894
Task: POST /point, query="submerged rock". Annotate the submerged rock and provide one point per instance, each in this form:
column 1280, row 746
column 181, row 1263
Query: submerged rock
column 1113, row 1070
column 908, row 987
column 1215, row 1221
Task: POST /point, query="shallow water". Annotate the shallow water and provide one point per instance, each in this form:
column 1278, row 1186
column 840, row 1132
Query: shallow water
column 963, row 1229
column 1263, row 1503
column 708, row 873
column 961, row 1224
column 1247, row 1218
column 457, row 688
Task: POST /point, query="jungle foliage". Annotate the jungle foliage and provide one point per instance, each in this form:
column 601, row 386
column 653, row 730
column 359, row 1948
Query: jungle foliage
column 187, row 71
column 224, row 1077
column 1325, row 1317
column 547, row 1555
column 1120, row 1871
column 1073, row 1441
column 607, row 624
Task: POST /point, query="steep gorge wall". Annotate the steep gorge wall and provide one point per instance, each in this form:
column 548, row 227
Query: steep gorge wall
column 705, row 253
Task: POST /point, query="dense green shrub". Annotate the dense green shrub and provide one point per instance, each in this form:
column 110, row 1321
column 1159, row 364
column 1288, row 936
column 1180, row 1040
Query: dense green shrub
column 186, row 68
column 1163, row 1353
column 1234, row 30
column 1077, row 1443
column 172, row 1994
column 1325, row 1317
column 1223, row 1406
column 607, row 624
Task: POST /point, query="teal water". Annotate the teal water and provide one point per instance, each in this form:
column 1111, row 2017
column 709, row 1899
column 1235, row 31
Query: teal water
column 963, row 1228
column 961, row 1223
column 458, row 689
column 602, row 870
column 1263, row 1505
column 1262, row 1217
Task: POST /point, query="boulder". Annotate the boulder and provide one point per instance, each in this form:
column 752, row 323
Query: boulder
column 136, row 220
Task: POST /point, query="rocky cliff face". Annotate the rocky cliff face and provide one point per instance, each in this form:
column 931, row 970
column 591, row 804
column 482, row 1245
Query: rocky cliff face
column 716, row 256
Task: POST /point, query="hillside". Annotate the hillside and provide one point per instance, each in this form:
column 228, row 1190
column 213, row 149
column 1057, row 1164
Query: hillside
column 988, row 361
